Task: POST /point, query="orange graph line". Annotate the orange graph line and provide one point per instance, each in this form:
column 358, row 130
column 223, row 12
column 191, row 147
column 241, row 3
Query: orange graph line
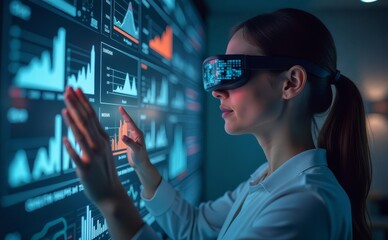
column 163, row 44
column 116, row 143
column 126, row 34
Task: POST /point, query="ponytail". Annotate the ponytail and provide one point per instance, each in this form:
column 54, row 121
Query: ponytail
column 344, row 136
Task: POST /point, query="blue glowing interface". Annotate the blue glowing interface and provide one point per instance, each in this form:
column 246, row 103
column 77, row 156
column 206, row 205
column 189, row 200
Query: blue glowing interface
column 144, row 55
column 217, row 70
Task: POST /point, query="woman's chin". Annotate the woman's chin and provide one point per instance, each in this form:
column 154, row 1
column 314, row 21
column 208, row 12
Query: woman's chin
column 232, row 131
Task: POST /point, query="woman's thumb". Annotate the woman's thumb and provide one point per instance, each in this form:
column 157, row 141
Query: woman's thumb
column 130, row 143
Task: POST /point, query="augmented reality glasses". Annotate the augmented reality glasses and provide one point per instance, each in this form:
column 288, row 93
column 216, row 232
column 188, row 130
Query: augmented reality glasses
column 232, row 71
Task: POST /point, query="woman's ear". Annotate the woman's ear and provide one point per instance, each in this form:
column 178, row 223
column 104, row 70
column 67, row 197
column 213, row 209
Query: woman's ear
column 296, row 80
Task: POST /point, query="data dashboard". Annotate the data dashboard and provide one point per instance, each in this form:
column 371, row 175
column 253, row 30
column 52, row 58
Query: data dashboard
column 144, row 55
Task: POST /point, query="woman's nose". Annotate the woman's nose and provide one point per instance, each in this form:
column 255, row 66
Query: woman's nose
column 220, row 94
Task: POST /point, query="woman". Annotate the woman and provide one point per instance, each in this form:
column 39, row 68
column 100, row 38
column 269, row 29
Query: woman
column 304, row 191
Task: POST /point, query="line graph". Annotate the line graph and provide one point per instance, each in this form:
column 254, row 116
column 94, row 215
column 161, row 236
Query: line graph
column 178, row 155
column 122, row 85
column 125, row 19
column 84, row 78
column 157, row 34
column 155, row 136
column 117, row 145
column 163, row 44
column 119, row 77
column 152, row 96
column 59, row 226
column 31, row 165
column 47, row 161
column 47, row 71
column 155, row 86
column 115, row 127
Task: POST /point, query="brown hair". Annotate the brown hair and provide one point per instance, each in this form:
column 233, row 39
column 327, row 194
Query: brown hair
column 295, row 33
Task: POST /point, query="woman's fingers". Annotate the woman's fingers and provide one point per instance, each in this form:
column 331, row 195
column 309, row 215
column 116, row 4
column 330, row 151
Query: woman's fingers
column 79, row 116
column 131, row 124
column 91, row 114
column 72, row 98
column 73, row 154
column 130, row 143
column 135, row 133
column 77, row 133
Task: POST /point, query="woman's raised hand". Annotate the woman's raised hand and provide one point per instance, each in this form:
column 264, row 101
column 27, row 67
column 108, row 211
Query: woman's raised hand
column 138, row 156
column 95, row 166
column 136, row 152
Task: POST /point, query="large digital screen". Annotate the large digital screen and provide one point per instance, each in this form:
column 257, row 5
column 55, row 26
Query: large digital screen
column 144, row 55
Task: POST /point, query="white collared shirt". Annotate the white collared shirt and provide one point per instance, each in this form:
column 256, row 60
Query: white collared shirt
column 300, row 200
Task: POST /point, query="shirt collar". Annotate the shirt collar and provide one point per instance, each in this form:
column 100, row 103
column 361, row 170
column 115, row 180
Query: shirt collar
column 291, row 168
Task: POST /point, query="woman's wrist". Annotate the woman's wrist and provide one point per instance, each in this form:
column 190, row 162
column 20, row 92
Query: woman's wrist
column 150, row 178
column 110, row 205
column 121, row 214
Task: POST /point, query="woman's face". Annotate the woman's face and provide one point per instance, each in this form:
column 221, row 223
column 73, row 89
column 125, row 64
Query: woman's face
column 253, row 107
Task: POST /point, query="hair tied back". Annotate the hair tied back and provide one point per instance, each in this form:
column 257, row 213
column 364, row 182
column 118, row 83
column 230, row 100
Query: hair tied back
column 336, row 77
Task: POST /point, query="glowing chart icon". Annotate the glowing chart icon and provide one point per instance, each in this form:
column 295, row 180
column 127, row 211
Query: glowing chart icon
column 92, row 227
column 85, row 77
column 47, row 71
column 127, row 26
column 178, row 155
column 119, row 77
column 154, row 85
column 46, row 161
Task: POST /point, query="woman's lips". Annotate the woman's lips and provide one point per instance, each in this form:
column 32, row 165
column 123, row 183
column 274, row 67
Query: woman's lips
column 225, row 111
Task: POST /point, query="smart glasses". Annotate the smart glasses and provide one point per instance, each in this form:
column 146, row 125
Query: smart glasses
column 232, row 71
